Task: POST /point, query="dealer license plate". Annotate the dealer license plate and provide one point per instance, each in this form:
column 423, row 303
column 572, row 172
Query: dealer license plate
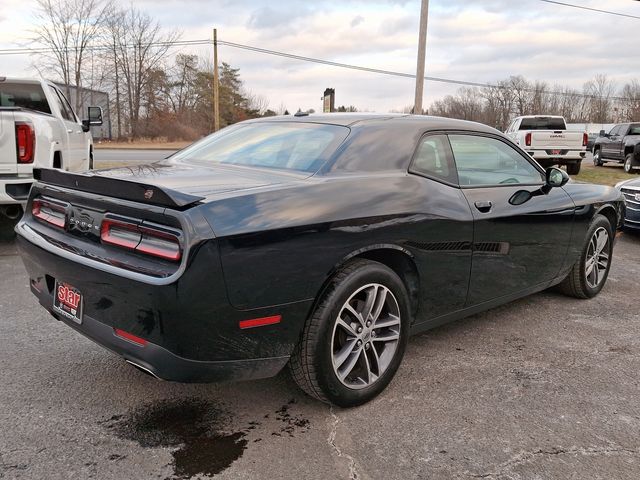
column 67, row 301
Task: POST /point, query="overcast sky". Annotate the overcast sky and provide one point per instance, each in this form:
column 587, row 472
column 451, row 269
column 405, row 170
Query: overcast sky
column 475, row 40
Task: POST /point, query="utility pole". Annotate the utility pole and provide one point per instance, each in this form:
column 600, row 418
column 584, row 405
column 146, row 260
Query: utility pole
column 216, row 80
column 422, row 47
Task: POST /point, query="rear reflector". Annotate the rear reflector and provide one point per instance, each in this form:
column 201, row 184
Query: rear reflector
column 141, row 238
column 25, row 142
column 49, row 212
column 260, row 322
column 130, row 337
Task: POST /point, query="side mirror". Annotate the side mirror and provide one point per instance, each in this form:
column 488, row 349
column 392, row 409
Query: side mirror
column 602, row 133
column 556, row 177
column 95, row 116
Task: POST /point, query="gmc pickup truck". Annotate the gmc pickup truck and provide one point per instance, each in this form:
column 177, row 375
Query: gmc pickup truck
column 547, row 140
column 38, row 128
column 621, row 144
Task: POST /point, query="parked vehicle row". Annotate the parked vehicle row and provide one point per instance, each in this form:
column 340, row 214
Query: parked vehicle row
column 621, row 145
column 547, row 140
column 38, row 128
column 320, row 241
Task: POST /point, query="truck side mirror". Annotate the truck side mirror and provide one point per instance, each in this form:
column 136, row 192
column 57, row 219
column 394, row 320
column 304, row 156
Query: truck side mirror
column 602, row 133
column 95, row 116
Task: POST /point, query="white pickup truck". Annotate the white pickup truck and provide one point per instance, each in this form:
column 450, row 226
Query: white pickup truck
column 547, row 140
column 38, row 128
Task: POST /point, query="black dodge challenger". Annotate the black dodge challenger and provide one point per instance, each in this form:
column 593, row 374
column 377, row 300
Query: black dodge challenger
column 322, row 242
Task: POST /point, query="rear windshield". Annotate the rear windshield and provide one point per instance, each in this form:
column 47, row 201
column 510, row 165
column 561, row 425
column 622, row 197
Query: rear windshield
column 23, row 95
column 301, row 147
column 543, row 123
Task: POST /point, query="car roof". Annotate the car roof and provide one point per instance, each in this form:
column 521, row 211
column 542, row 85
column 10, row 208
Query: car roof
column 423, row 122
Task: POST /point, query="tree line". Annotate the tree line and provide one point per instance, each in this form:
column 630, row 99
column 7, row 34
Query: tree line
column 152, row 93
column 599, row 101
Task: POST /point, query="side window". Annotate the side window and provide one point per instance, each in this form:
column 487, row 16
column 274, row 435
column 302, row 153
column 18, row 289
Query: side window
column 623, row 130
column 615, row 130
column 489, row 161
column 433, row 159
column 65, row 108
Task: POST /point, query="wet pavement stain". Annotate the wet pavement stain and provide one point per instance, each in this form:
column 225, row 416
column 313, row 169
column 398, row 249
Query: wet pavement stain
column 194, row 428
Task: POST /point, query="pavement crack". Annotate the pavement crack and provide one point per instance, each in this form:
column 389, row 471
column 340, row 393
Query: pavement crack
column 331, row 440
column 525, row 457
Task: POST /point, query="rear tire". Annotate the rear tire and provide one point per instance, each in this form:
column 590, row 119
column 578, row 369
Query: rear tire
column 597, row 159
column 590, row 272
column 574, row 168
column 355, row 338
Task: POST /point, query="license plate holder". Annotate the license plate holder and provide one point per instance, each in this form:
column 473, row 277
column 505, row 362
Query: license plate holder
column 67, row 301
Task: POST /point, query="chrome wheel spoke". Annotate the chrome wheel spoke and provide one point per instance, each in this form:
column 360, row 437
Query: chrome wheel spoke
column 389, row 336
column 365, row 336
column 597, row 261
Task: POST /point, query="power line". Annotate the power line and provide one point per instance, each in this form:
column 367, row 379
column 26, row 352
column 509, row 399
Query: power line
column 582, row 7
column 307, row 59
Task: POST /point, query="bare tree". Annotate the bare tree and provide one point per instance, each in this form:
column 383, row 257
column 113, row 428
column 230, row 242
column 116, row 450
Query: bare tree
column 139, row 49
column 630, row 105
column 67, row 29
column 600, row 90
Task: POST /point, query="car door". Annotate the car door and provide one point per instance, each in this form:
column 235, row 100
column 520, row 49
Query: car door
column 606, row 145
column 617, row 143
column 515, row 247
column 441, row 245
column 75, row 156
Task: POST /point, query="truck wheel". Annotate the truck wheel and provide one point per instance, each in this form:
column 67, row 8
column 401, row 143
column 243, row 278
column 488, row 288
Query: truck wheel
column 573, row 168
column 355, row 338
column 597, row 159
column 629, row 163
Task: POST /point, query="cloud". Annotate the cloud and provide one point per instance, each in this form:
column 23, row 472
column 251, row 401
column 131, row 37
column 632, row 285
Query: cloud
column 357, row 20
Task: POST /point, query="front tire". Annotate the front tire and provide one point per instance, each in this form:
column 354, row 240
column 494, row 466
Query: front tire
column 629, row 163
column 589, row 274
column 354, row 341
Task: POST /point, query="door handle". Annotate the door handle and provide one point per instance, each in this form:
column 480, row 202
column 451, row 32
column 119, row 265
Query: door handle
column 484, row 206
column 69, row 130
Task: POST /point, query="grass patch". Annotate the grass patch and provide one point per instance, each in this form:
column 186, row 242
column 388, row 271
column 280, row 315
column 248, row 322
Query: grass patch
column 605, row 175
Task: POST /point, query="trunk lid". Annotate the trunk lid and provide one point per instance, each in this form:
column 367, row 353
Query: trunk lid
column 172, row 184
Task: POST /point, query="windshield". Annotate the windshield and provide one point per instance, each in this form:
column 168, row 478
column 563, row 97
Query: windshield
column 301, row 147
column 23, row 95
column 543, row 123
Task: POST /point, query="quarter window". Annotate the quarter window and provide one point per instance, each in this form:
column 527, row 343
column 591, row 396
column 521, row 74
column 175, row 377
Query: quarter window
column 433, row 159
column 489, row 161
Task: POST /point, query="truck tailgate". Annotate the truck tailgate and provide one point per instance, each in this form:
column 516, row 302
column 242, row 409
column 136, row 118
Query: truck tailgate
column 564, row 140
column 8, row 162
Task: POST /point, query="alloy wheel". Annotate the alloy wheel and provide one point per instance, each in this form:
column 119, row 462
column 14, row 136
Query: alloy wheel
column 597, row 260
column 365, row 336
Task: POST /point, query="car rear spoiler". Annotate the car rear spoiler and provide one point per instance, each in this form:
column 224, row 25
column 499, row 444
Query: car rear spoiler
column 115, row 187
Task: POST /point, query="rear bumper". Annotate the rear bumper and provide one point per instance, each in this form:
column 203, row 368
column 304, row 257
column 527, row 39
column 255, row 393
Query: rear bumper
column 166, row 365
column 569, row 156
column 14, row 190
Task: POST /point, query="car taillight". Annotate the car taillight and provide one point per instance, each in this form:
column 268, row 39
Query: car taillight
column 527, row 139
column 585, row 139
column 49, row 212
column 25, row 142
column 149, row 240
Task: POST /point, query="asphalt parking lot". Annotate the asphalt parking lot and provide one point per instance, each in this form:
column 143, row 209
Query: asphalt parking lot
column 546, row 387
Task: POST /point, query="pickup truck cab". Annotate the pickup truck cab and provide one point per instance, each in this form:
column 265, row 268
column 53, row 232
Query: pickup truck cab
column 621, row 144
column 547, row 140
column 38, row 128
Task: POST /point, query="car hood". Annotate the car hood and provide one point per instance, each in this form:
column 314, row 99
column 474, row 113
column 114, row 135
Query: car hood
column 198, row 179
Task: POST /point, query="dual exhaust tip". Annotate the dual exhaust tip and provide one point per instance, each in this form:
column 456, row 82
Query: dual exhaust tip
column 142, row 369
column 12, row 212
